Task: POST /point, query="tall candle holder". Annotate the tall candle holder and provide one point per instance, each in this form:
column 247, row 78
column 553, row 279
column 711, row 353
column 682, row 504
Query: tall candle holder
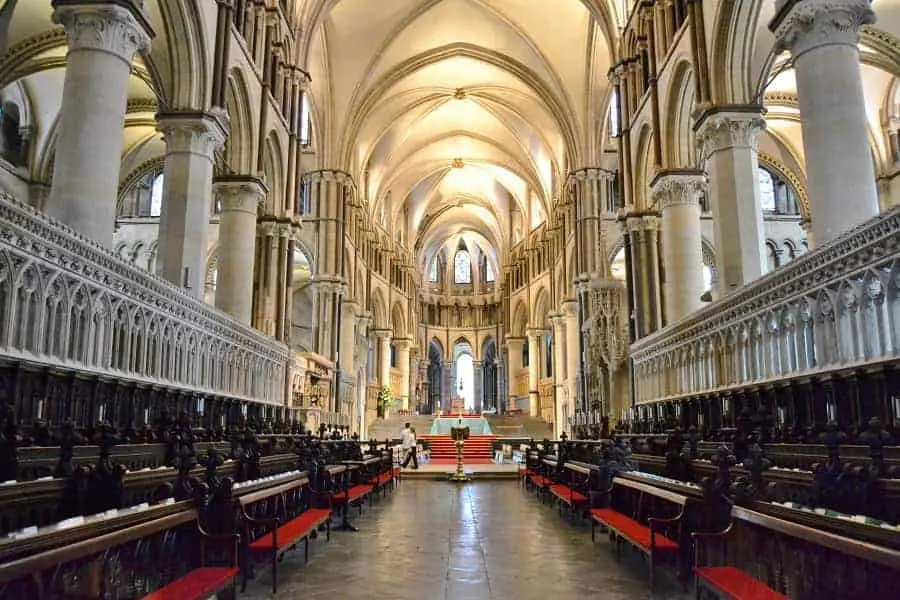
column 459, row 433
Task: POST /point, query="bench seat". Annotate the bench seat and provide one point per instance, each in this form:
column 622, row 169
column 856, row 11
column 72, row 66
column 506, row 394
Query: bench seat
column 567, row 494
column 540, row 480
column 199, row 584
column 293, row 531
column 352, row 494
column 734, row 584
column 630, row 529
column 381, row 479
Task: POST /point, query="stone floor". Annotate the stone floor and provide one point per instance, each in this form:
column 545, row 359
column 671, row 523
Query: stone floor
column 479, row 541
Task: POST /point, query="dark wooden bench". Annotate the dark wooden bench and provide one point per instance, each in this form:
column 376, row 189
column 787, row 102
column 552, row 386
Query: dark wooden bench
column 764, row 557
column 149, row 550
column 569, row 484
column 648, row 518
column 275, row 516
column 342, row 487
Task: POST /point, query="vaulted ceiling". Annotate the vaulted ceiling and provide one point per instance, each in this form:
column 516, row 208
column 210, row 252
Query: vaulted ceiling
column 453, row 114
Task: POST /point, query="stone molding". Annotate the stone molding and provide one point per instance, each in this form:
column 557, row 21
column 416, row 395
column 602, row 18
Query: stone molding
column 591, row 174
column 678, row 188
column 104, row 27
column 193, row 133
column 804, row 25
column 717, row 131
column 240, row 194
column 328, row 175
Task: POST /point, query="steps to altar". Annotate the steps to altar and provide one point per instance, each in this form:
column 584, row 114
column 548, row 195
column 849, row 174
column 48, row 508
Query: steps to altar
column 478, row 449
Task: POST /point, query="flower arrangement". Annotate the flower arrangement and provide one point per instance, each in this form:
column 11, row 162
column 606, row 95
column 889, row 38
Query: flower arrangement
column 385, row 399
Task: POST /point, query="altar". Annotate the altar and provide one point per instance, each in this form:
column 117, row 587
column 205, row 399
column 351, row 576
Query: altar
column 477, row 424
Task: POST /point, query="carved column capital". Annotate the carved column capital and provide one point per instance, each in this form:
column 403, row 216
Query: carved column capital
column 640, row 224
column 722, row 129
column 671, row 188
column 193, row 132
column 121, row 29
column 803, row 25
column 240, row 194
column 384, row 334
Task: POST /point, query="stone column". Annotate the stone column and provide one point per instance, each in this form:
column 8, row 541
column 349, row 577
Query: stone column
column 558, row 321
column 102, row 39
column 823, row 38
column 534, row 370
column 190, row 140
column 573, row 355
column 402, row 346
column 677, row 194
column 477, row 386
column 447, row 383
column 514, row 356
column 239, row 198
column 384, row 357
column 643, row 231
column 728, row 136
column 263, row 315
column 348, row 335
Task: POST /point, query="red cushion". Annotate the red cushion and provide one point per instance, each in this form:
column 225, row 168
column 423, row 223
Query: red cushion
column 567, row 494
column 294, row 530
column 200, row 584
column 355, row 493
column 541, row 481
column 634, row 531
column 736, row 584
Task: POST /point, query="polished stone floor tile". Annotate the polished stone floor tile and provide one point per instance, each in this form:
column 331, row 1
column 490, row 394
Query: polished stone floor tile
column 480, row 541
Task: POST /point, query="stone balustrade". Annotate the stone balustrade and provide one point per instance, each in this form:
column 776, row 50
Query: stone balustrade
column 67, row 302
column 836, row 307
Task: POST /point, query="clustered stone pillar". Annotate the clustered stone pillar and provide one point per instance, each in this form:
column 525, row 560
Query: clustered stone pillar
column 534, row 371
column 590, row 189
column 514, row 347
column 384, row 357
column 560, row 333
column 265, row 275
column 190, row 140
column 349, row 315
column 644, row 231
column 677, row 194
column 239, row 198
column 402, row 346
column 447, row 385
column 823, row 38
column 728, row 137
column 573, row 356
column 102, row 39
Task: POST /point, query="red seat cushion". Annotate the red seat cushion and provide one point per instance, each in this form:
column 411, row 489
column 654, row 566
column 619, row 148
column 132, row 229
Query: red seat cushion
column 634, row 531
column 381, row 479
column 294, row 530
column 539, row 480
column 567, row 494
column 200, row 584
column 355, row 493
column 736, row 584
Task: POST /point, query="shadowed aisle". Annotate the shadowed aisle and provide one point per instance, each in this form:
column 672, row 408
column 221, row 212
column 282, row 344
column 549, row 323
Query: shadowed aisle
column 484, row 540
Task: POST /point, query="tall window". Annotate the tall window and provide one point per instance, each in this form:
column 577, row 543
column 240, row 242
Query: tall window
column 766, row 190
column 463, row 267
column 614, row 115
column 305, row 122
column 488, row 272
column 156, row 193
column 433, row 271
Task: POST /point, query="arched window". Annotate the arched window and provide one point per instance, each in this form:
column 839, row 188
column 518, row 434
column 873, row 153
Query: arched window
column 433, row 271
column 156, row 196
column 488, row 272
column 463, row 267
column 614, row 115
column 766, row 190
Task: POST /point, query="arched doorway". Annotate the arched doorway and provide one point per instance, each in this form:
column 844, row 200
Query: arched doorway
column 463, row 392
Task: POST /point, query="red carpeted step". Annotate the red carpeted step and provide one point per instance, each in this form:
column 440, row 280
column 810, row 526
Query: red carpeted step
column 478, row 448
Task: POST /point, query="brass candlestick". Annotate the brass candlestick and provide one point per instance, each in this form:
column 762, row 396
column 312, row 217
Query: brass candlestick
column 460, row 434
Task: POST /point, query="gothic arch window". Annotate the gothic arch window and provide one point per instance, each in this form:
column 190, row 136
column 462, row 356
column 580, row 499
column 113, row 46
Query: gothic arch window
column 143, row 196
column 462, row 267
column 433, row 271
column 489, row 272
column 776, row 196
column 614, row 115
column 305, row 123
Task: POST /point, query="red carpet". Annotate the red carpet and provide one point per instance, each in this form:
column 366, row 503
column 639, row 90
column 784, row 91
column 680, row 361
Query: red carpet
column 478, row 448
column 470, row 461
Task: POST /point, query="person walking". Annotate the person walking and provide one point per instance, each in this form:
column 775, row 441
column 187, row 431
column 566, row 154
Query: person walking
column 408, row 443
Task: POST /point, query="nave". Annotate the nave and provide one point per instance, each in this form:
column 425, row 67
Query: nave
column 486, row 540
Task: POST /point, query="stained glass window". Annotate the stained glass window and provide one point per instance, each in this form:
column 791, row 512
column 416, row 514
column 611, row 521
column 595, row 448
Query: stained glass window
column 766, row 190
column 156, row 193
column 463, row 264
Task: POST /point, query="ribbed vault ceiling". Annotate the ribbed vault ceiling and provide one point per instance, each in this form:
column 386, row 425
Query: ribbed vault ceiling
column 455, row 113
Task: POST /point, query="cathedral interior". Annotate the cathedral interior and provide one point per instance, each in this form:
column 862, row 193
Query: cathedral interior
column 643, row 230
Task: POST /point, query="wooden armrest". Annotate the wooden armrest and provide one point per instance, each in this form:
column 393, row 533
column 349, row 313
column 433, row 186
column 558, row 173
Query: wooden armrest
column 260, row 521
column 233, row 540
column 700, row 535
column 651, row 521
